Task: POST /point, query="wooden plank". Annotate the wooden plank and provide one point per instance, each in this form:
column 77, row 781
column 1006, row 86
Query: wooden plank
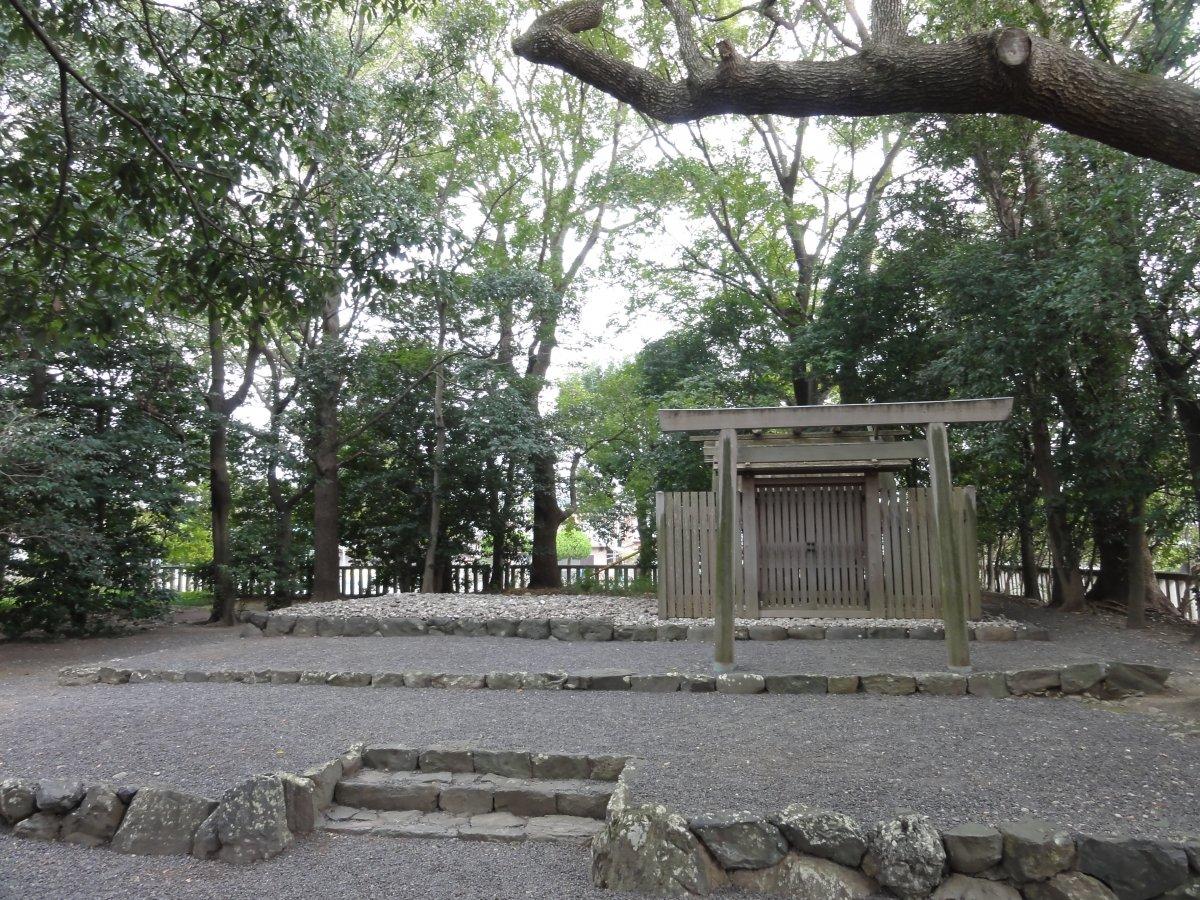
column 749, row 550
column 660, row 526
column 727, row 551
column 874, row 533
column 991, row 409
column 946, row 544
column 865, row 451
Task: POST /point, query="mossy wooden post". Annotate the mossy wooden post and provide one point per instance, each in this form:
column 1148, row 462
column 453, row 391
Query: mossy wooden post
column 727, row 564
column 950, row 580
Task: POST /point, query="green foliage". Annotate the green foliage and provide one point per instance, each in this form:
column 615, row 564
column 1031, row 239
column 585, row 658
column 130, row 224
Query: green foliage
column 573, row 543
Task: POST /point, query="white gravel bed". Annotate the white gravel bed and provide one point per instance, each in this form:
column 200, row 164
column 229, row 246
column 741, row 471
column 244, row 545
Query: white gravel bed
column 620, row 610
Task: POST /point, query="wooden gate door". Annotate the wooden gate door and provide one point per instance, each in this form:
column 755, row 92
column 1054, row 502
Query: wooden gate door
column 812, row 553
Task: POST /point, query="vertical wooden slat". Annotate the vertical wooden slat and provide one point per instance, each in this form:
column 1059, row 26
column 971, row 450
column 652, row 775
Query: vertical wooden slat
column 749, row 551
column 660, row 529
column 873, row 530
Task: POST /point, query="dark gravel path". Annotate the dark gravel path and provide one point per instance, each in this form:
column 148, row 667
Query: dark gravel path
column 958, row 759
column 482, row 654
column 330, row 867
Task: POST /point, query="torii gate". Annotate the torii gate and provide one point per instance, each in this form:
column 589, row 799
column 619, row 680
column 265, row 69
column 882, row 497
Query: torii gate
column 819, row 444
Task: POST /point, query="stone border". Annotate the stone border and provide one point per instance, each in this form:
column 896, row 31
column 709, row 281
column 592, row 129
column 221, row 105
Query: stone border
column 1108, row 681
column 593, row 629
column 806, row 851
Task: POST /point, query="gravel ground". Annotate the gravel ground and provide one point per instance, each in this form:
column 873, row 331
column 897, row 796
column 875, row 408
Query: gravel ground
column 328, row 866
column 485, row 654
column 621, row 610
column 959, row 759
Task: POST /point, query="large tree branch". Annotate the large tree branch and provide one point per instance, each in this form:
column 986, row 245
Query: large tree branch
column 1003, row 71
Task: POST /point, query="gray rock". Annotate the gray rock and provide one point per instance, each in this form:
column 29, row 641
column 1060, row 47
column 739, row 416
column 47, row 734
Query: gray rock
column 352, row 759
column 300, row 801
column 330, row 626
column 740, row 840
column 313, row 677
column 74, row 676
column 41, row 826
column 740, row 683
column 607, row 679
column 417, row 679
column 1033, row 681
column 161, row 822
column 605, row 768
column 543, row 681
column 443, row 625
column 1192, row 849
column 1123, row 678
column 109, row 675
column 446, row 759
column 306, row 626
column 504, row 681
column 470, row 627
column 672, row 632
column 96, row 819
column 581, row 629
column 509, row 763
column 349, row 679
column 635, row 632
column 820, row 832
column 994, row 631
column 906, row 856
column 844, row 632
column 654, row 684
column 458, row 681
column 887, row 632
column 360, row 626
column 535, row 629
column 806, row 876
column 701, row 634
column 466, row 799
column 651, row 849
column 559, row 766
column 403, row 627
column 806, row 633
column 1158, row 674
column 926, row 633
column 387, row 679
column 1068, row 886
column 698, row 684
column 1189, row 891
column 1082, row 677
column 891, row 685
column 280, row 623
column 988, row 684
column 250, row 823
column 55, row 796
column 1035, row 851
column 17, row 800
column 797, row 684
column 408, row 794
column 767, row 633
column 972, row 849
column 942, row 684
column 844, row 684
column 249, row 631
column 962, row 887
column 526, row 799
column 257, row 618
column 501, row 627
column 1133, row 868
column 126, row 794
column 1030, row 633
column 325, row 778
column 391, row 759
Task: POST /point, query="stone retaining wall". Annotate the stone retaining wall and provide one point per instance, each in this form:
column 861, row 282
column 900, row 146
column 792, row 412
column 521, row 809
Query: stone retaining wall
column 809, row 852
column 1106, row 680
column 284, row 623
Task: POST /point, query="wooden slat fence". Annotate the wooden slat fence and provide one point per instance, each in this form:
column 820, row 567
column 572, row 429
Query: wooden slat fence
column 366, row 581
column 1180, row 589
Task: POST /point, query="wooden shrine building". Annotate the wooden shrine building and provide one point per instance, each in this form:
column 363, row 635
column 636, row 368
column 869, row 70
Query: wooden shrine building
column 808, row 519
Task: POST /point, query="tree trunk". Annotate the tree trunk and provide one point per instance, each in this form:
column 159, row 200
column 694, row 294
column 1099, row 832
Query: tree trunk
column 1136, row 552
column 1030, row 577
column 1064, row 556
column 547, row 517
column 220, row 488
column 428, row 578
column 326, row 442
column 647, row 539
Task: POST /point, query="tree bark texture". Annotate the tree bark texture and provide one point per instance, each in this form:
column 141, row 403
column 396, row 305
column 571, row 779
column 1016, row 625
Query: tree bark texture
column 1003, row 71
column 326, row 444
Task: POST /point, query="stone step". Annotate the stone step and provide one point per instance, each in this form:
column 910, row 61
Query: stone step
column 473, row 794
column 492, row 826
